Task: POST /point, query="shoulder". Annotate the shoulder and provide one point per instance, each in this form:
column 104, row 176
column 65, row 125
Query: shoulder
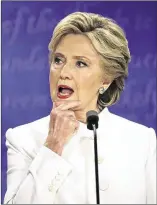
column 30, row 135
column 130, row 131
column 130, row 140
column 126, row 124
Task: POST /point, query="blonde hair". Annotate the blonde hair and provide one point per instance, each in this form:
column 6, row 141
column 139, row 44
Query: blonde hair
column 110, row 42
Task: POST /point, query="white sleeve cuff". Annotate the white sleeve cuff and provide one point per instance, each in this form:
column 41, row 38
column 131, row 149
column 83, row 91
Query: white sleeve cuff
column 50, row 169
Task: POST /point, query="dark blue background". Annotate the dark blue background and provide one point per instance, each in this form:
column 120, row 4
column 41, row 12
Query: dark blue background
column 26, row 31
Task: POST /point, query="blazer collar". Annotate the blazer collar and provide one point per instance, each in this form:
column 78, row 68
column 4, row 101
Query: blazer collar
column 103, row 119
column 84, row 135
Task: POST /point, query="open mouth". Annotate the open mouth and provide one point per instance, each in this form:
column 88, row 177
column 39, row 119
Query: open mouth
column 64, row 91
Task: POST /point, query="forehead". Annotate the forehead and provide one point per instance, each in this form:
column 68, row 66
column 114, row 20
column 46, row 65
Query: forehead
column 77, row 45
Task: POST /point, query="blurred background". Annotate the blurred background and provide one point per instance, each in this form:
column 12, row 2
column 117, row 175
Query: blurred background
column 26, row 31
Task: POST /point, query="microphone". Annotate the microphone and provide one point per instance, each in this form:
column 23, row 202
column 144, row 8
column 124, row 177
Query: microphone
column 92, row 124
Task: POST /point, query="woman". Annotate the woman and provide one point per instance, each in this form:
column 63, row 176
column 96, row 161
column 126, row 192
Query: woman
column 51, row 160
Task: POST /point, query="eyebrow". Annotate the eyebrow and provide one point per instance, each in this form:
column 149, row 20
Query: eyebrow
column 74, row 57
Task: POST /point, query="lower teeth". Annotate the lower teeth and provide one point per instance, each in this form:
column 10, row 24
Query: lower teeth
column 65, row 94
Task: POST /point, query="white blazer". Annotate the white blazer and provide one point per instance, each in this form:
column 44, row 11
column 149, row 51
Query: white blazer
column 127, row 164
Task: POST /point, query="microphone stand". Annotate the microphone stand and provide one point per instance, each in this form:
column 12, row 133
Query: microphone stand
column 92, row 124
column 96, row 164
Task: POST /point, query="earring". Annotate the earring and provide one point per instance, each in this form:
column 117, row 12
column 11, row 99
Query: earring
column 102, row 90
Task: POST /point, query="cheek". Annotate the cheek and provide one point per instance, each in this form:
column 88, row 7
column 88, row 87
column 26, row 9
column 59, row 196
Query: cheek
column 89, row 82
column 53, row 79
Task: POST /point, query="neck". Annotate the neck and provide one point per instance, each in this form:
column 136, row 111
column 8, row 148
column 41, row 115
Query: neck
column 81, row 114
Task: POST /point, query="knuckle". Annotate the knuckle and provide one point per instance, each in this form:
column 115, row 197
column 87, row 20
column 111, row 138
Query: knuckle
column 65, row 118
column 72, row 123
column 71, row 113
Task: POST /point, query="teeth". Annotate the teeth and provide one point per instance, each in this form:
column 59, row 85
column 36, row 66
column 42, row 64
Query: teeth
column 65, row 91
column 64, row 94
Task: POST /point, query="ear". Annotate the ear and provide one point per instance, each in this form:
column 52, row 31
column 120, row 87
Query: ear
column 106, row 81
column 106, row 84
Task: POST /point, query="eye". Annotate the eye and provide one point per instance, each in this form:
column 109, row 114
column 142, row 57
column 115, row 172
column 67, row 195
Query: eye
column 81, row 64
column 57, row 61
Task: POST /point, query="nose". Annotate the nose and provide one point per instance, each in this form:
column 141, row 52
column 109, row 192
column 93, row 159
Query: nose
column 65, row 73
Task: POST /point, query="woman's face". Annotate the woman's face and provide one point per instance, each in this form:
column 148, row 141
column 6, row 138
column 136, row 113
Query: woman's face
column 75, row 72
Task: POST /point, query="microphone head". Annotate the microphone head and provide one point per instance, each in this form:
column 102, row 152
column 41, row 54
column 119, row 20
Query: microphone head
column 92, row 119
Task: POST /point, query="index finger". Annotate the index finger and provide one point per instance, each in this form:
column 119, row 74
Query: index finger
column 68, row 104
